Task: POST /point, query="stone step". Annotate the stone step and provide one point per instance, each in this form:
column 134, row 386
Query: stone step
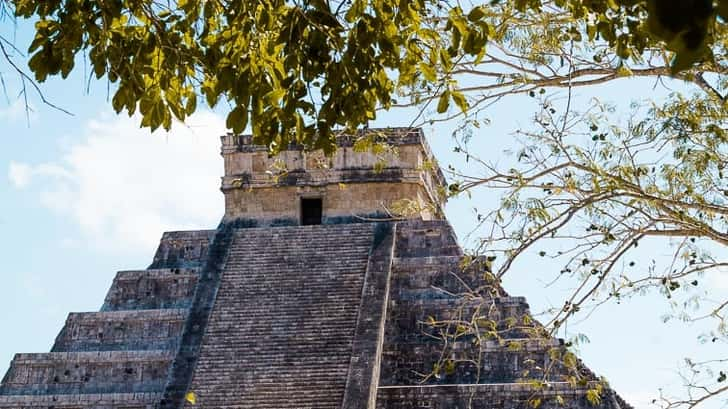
column 152, row 289
column 143, row 400
column 419, row 238
column 490, row 396
column 257, row 322
column 449, row 274
column 328, row 232
column 508, row 360
column 121, row 330
column 412, row 318
column 319, row 394
column 87, row 372
column 180, row 249
column 288, row 345
column 308, row 365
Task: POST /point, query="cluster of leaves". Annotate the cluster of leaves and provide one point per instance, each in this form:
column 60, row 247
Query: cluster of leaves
column 297, row 70
column 293, row 70
column 631, row 26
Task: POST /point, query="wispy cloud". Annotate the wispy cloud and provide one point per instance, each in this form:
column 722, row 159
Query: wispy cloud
column 17, row 110
column 20, row 174
column 124, row 186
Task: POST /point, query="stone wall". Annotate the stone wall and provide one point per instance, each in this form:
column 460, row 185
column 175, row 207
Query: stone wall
column 489, row 396
column 86, row 372
column 121, row 330
column 152, row 289
column 262, row 190
column 179, row 249
column 350, row 202
column 140, row 400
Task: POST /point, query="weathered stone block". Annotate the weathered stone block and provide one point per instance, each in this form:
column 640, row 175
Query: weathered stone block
column 121, row 330
column 86, row 401
column 426, row 239
column 488, row 396
column 86, row 372
column 152, row 289
column 181, row 249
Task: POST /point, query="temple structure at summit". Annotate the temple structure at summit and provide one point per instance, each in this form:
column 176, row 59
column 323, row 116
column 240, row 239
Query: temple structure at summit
column 317, row 290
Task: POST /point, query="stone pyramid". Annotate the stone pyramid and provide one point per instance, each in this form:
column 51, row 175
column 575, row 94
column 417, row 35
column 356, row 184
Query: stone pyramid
column 310, row 294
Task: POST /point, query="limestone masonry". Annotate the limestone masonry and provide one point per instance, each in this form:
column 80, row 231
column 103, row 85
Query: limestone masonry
column 314, row 292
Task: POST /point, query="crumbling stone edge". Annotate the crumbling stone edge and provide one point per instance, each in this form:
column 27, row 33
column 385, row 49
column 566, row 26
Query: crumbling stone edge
column 363, row 377
column 180, row 373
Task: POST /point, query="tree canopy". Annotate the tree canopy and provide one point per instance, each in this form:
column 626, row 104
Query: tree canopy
column 296, row 70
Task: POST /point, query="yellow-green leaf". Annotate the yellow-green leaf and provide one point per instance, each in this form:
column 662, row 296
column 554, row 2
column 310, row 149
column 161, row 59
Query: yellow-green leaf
column 237, row 119
column 191, row 398
column 444, row 102
column 428, row 71
column 460, row 100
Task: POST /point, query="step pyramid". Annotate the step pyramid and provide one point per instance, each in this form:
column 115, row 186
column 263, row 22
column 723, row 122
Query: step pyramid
column 355, row 311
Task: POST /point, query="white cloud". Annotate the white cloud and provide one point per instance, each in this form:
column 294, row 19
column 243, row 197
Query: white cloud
column 19, row 174
column 16, row 110
column 125, row 186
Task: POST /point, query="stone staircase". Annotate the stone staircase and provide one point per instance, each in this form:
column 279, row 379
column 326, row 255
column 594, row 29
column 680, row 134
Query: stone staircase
column 281, row 332
column 118, row 357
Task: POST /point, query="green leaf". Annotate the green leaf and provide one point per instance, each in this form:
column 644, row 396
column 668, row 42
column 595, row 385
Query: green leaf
column 428, row 71
column 444, row 102
column 624, row 71
column 476, row 14
column 591, row 31
column 274, row 96
column 237, row 119
column 191, row 104
column 594, row 397
column 446, row 60
column 119, row 100
column 355, row 11
column 450, row 367
column 460, row 100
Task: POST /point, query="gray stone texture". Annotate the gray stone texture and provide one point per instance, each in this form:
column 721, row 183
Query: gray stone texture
column 122, row 330
column 337, row 315
column 152, row 289
column 288, row 345
column 183, row 249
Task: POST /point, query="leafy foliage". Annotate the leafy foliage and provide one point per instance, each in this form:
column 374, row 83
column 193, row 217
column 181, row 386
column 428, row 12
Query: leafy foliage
column 295, row 71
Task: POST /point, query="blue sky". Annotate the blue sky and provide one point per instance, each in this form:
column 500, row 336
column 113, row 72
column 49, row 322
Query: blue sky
column 84, row 196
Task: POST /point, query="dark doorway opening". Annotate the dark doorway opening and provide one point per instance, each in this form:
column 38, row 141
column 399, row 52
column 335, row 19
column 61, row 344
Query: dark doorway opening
column 311, row 211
